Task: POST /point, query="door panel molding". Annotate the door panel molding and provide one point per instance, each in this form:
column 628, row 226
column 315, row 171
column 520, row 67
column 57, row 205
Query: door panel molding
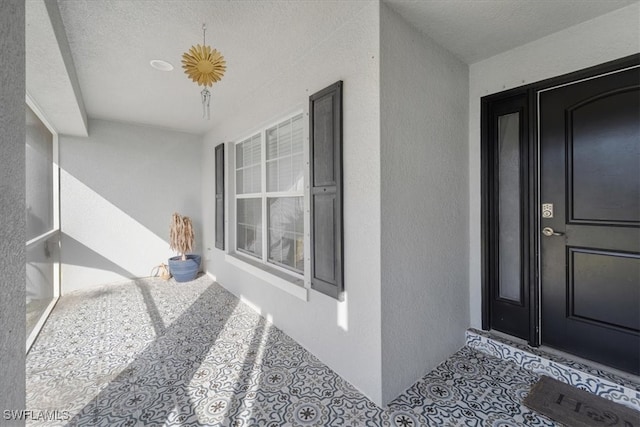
column 588, row 308
column 598, row 182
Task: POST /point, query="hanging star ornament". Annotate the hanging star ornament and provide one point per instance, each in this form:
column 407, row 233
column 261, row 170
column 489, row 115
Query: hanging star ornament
column 203, row 65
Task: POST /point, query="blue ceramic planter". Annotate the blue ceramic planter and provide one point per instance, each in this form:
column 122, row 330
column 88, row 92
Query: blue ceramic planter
column 184, row 271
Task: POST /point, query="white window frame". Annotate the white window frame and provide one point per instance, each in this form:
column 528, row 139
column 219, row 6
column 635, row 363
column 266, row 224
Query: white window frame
column 264, row 195
column 258, row 195
column 55, row 170
column 286, row 279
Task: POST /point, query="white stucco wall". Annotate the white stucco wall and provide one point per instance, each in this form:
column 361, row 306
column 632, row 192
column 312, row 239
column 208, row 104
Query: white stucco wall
column 12, row 208
column 424, row 183
column 344, row 335
column 608, row 37
column 119, row 187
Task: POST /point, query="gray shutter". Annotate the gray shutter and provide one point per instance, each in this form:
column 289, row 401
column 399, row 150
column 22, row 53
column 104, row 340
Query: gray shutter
column 325, row 151
column 220, row 196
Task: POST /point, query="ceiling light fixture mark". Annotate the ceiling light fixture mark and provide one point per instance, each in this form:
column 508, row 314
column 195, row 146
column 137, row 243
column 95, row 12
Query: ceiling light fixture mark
column 161, row 65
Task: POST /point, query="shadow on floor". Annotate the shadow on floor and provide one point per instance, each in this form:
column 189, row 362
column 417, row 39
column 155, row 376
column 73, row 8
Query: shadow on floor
column 156, row 353
column 154, row 386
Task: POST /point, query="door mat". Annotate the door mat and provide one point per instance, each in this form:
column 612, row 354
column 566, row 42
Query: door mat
column 578, row 408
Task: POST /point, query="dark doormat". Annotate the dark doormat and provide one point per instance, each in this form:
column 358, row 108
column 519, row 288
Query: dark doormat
column 578, row 408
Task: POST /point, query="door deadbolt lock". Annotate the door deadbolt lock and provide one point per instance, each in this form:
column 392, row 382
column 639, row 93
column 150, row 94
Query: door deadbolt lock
column 548, row 231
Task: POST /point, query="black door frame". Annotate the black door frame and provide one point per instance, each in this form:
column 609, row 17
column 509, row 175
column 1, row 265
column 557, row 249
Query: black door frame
column 507, row 315
column 530, row 199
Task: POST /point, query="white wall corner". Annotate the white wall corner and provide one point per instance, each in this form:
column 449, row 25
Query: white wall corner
column 108, row 235
column 424, row 203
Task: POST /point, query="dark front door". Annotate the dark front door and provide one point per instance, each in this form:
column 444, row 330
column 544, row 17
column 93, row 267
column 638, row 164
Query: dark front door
column 590, row 218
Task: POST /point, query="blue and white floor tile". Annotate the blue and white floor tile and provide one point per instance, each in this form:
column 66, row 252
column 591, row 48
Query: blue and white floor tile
column 597, row 381
column 153, row 353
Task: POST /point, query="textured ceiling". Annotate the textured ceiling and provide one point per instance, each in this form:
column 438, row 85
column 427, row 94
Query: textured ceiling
column 112, row 42
column 478, row 29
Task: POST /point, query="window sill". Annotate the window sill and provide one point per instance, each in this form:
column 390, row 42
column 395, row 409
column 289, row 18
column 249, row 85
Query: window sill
column 274, row 277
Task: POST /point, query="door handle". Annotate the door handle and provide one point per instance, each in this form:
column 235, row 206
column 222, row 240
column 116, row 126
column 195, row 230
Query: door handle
column 548, row 231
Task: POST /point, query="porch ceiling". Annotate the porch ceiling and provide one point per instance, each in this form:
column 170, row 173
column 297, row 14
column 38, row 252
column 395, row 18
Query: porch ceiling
column 112, row 42
column 478, row 29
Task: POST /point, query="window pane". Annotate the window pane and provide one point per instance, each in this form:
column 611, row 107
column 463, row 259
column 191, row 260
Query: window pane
column 239, row 155
column 39, row 176
column 272, row 175
column 249, row 231
column 256, row 150
column 247, row 179
column 509, row 206
column 239, row 182
column 255, row 179
column 296, row 134
column 248, row 169
column 286, row 238
column 41, row 258
column 284, row 139
column 285, row 181
column 246, row 153
column 284, row 145
column 298, row 173
column 272, row 143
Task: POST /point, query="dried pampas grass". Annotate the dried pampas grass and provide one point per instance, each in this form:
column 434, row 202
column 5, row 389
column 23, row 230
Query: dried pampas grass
column 181, row 235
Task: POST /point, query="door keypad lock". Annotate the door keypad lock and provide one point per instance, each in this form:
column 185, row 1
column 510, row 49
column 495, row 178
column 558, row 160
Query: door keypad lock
column 547, row 210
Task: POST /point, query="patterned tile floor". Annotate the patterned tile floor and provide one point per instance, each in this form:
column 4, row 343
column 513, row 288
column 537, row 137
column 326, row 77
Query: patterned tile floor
column 155, row 353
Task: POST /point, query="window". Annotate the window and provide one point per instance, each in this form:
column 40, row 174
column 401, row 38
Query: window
column 43, row 223
column 269, row 182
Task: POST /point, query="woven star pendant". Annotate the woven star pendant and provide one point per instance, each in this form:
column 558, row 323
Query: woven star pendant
column 204, row 65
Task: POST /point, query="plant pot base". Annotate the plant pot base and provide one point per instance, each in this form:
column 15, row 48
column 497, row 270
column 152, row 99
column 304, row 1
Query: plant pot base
column 187, row 270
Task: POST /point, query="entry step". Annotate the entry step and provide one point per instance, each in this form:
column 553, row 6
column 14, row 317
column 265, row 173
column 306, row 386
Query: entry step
column 623, row 389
